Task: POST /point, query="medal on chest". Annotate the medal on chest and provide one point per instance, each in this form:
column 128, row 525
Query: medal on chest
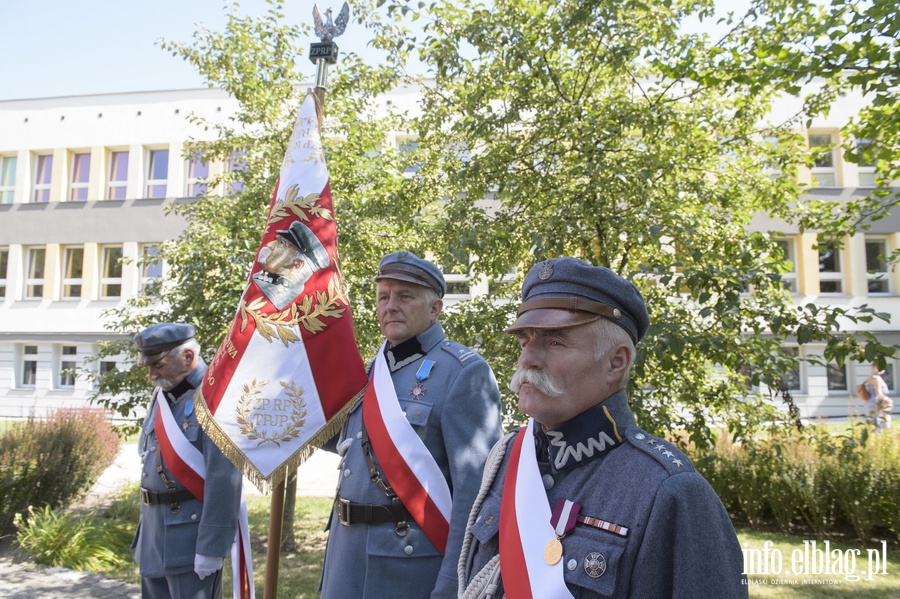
column 188, row 409
column 418, row 391
column 563, row 519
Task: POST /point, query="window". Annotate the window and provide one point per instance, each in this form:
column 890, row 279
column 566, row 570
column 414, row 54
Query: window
column 106, row 366
column 43, row 171
column 111, row 272
column 73, row 267
column 790, row 381
column 407, row 148
column 830, row 276
column 822, row 146
column 876, row 266
column 4, row 269
column 197, row 176
column 454, row 268
column 151, row 267
column 7, row 179
column 866, row 163
column 789, row 278
column 67, row 366
column 29, row 365
column 34, row 273
column 118, row 176
column 81, row 171
column 237, row 164
column 837, row 377
column 157, row 173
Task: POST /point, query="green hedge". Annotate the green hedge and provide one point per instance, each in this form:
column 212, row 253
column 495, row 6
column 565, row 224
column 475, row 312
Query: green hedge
column 52, row 462
column 811, row 479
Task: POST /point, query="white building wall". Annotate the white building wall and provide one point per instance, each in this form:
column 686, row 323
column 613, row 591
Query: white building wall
column 141, row 122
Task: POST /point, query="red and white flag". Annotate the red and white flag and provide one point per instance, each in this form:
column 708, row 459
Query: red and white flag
column 289, row 369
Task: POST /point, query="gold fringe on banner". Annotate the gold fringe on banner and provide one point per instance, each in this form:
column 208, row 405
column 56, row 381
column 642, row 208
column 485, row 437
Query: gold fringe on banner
column 265, row 484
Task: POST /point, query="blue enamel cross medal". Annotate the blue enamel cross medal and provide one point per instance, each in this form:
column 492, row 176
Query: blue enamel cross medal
column 418, row 392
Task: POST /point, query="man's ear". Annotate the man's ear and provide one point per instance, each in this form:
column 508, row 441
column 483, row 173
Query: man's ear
column 619, row 361
column 436, row 308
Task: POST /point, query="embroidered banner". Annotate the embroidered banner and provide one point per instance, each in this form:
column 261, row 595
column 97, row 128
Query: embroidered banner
column 288, row 370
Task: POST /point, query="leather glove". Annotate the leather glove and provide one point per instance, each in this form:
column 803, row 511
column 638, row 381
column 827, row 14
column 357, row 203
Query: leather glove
column 205, row 566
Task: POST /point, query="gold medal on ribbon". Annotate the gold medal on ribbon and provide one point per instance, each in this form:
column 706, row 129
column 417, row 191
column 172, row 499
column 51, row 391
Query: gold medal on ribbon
column 553, row 551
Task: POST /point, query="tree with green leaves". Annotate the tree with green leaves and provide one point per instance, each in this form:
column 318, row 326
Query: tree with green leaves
column 594, row 129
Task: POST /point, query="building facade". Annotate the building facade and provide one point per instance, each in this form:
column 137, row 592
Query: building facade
column 85, row 182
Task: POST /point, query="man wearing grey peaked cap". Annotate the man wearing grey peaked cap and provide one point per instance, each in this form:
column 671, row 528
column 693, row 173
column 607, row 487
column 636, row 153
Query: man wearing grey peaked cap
column 424, row 427
column 581, row 502
column 182, row 539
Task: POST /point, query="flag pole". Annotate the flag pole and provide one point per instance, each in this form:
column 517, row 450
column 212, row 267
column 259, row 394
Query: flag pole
column 321, row 54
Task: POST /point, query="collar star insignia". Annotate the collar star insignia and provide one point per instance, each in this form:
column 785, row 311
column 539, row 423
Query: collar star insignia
column 678, row 463
column 668, row 454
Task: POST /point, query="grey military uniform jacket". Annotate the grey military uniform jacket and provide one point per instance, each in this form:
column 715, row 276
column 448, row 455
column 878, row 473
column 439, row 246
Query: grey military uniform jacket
column 679, row 540
column 167, row 540
column 457, row 415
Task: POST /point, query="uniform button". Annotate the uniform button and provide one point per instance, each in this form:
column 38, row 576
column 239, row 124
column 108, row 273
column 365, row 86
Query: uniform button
column 548, row 481
column 359, row 435
column 408, row 550
column 639, row 436
column 153, row 448
column 571, row 564
column 193, row 516
column 346, row 472
column 143, row 475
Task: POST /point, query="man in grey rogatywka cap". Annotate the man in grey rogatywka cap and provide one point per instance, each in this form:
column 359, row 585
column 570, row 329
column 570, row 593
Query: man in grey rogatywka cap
column 182, row 540
column 633, row 517
column 449, row 397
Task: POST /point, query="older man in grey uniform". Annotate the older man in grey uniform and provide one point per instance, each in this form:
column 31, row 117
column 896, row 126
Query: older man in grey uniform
column 412, row 450
column 182, row 538
column 581, row 502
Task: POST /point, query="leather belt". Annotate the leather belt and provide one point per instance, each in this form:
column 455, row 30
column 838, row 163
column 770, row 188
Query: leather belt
column 149, row 497
column 362, row 513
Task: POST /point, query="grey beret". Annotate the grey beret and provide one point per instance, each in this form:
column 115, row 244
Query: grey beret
column 406, row 266
column 160, row 338
column 566, row 292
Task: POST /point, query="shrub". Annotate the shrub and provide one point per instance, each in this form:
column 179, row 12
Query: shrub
column 814, row 479
column 52, row 462
column 57, row 538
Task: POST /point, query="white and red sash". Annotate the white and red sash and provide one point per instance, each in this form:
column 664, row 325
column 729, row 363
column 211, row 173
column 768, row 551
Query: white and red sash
column 408, row 465
column 186, row 463
column 525, row 527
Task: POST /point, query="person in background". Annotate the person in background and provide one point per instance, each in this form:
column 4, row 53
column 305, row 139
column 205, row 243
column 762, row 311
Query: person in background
column 183, row 535
column 412, row 451
column 582, row 502
column 879, row 404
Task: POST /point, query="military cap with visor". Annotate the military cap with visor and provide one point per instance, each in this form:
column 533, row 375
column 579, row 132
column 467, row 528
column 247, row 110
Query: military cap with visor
column 406, row 266
column 154, row 342
column 567, row 292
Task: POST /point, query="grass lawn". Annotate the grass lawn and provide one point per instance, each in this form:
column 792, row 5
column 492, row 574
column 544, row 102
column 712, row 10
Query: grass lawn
column 807, row 571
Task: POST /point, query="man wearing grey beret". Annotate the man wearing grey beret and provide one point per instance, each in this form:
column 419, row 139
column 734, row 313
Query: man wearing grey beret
column 581, row 502
column 187, row 524
column 412, row 451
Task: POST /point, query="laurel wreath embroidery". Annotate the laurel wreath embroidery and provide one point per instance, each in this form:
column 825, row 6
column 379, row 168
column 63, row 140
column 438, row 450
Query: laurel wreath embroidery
column 307, row 313
column 302, row 208
column 251, row 396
